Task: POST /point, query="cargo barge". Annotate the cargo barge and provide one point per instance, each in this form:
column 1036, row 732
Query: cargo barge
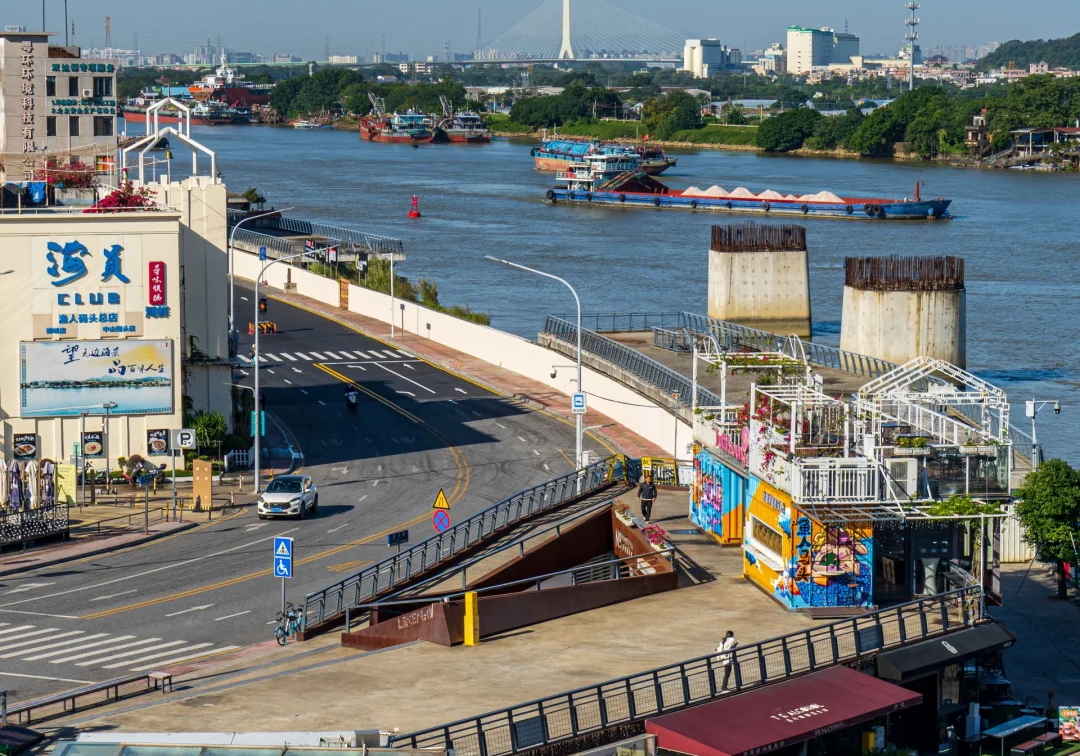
column 560, row 154
column 597, row 181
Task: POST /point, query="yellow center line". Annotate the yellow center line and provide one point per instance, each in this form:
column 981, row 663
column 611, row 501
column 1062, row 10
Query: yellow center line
column 567, row 458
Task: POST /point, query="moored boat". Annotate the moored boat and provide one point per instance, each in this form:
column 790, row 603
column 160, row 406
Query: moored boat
column 228, row 86
column 206, row 113
column 407, row 128
column 559, row 154
column 592, row 181
column 464, row 127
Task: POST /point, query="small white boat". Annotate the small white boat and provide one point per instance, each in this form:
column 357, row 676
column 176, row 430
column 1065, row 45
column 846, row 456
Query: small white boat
column 305, row 125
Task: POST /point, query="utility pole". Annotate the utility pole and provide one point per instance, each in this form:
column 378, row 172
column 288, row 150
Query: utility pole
column 477, row 54
column 912, row 36
column 326, row 46
column 66, row 43
column 108, row 34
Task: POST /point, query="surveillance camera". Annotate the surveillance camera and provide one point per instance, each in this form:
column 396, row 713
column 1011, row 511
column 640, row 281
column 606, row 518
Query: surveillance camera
column 1057, row 408
column 554, row 373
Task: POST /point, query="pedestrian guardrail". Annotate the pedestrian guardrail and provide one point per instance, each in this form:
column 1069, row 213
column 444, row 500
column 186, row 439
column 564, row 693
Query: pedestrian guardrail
column 399, row 569
column 69, row 699
column 631, row 360
column 29, row 524
column 123, row 522
column 596, row 708
column 370, row 243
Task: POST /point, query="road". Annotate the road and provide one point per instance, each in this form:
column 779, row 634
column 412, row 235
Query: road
column 209, row 591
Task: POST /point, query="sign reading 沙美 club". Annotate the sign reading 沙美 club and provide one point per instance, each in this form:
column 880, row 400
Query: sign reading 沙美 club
column 59, row 378
column 95, row 286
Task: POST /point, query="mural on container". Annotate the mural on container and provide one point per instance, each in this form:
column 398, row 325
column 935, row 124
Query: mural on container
column 801, row 561
column 717, row 498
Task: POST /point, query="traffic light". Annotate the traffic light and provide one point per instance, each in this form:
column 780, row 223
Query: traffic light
column 262, row 304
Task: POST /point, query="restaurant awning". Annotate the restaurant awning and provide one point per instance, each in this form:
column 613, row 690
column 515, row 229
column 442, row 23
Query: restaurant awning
column 779, row 715
column 921, row 658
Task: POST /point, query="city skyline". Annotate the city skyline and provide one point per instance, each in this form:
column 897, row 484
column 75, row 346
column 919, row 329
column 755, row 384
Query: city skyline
column 354, row 30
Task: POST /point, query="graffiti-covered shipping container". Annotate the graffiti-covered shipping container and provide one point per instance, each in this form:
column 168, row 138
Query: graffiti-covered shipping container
column 801, row 562
column 718, row 498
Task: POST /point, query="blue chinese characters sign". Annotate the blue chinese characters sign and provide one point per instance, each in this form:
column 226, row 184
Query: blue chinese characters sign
column 64, row 378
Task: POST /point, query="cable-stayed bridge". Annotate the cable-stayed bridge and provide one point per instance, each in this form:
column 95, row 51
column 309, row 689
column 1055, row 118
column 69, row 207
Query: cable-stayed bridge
column 583, row 30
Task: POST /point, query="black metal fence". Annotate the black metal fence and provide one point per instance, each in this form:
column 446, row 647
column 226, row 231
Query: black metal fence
column 608, row 705
column 32, row 524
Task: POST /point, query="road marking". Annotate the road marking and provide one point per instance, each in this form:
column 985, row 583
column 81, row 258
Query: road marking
column 404, row 354
column 70, row 643
column 536, row 452
column 360, row 355
column 375, row 483
column 342, row 566
column 192, row 609
column 37, row 640
column 141, row 659
column 297, row 370
column 346, row 355
column 288, row 356
column 410, row 380
column 169, row 644
column 522, row 440
column 501, row 426
column 339, row 527
column 460, row 391
column 44, row 614
column 255, row 526
column 334, row 356
column 51, row 679
column 174, row 660
column 28, row 587
column 317, row 356
column 114, row 595
column 271, row 372
column 244, row 298
column 406, row 393
column 303, row 356
column 357, row 367
column 274, row 357
column 263, row 359
column 546, row 466
column 408, row 365
column 171, row 566
column 9, row 638
column 102, row 650
column 477, row 413
column 288, row 381
column 302, row 391
column 322, row 402
column 230, row 616
column 567, row 458
column 361, row 498
column 451, row 401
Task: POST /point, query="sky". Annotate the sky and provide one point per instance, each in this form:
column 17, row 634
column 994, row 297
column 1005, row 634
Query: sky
column 422, row 26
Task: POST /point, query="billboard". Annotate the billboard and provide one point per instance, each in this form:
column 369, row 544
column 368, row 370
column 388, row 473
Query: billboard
column 66, row 378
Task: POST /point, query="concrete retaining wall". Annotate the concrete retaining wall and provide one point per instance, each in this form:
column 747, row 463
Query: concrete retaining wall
column 767, row 290
column 900, row 325
column 605, row 395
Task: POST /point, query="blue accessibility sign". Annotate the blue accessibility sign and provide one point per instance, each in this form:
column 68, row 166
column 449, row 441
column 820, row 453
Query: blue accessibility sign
column 283, row 557
column 262, row 254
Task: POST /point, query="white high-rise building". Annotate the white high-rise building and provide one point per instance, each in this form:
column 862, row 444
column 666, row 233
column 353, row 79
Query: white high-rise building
column 700, row 56
column 812, row 48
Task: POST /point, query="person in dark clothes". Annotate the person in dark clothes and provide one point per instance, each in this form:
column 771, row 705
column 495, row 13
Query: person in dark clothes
column 647, row 496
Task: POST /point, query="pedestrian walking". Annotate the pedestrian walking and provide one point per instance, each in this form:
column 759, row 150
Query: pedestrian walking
column 646, row 496
column 726, row 658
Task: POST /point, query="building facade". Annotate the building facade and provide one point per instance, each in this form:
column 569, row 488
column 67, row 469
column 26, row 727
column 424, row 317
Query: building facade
column 815, row 48
column 700, row 56
column 56, row 106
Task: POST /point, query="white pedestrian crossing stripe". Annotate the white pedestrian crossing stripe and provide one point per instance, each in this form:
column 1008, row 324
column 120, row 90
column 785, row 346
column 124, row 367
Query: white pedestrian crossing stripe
column 318, row 356
column 263, row 359
column 303, row 356
column 333, row 356
column 275, row 358
column 288, row 356
column 100, row 650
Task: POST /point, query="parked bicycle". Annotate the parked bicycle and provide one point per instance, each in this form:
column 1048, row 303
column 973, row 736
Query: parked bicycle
column 290, row 623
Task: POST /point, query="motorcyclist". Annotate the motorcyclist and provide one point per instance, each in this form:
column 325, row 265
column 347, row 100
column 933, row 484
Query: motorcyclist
column 352, row 396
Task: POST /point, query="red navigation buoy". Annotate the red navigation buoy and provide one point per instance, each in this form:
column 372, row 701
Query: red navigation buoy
column 414, row 211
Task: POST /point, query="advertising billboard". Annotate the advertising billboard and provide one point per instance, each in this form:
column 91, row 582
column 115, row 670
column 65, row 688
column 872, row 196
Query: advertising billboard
column 66, row 378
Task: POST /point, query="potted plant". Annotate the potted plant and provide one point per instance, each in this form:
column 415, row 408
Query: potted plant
column 623, row 513
column 657, row 536
column 913, row 446
column 976, row 447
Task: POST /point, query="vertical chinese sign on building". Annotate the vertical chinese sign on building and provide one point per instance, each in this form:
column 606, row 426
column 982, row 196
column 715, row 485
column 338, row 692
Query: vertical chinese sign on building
column 155, row 287
column 29, row 137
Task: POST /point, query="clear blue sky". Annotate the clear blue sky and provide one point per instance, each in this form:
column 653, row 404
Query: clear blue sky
column 421, row 26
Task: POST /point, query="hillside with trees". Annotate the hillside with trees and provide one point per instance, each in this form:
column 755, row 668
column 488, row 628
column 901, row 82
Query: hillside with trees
column 1057, row 53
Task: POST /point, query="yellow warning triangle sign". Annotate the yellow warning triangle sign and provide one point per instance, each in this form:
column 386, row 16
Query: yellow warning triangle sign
column 440, row 501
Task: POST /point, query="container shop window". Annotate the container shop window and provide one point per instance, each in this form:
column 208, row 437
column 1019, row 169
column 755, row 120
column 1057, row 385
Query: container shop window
column 73, row 126
column 50, row 125
column 768, row 541
column 50, row 86
column 103, row 126
column 73, row 86
column 102, row 86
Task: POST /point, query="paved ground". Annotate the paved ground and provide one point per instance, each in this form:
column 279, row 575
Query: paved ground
column 209, row 592
column 421, row 685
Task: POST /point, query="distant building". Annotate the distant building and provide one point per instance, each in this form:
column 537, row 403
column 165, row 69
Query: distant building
column 772, row 61
column 1039, row 68
column 234, row 56
column 700, row 56
column 815, row 48
column 398, row 57
column 286, row 58
column 344, row 60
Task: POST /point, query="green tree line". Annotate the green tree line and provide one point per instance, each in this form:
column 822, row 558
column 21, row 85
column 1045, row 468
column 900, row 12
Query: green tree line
column 1056, row 53
column 329, row 87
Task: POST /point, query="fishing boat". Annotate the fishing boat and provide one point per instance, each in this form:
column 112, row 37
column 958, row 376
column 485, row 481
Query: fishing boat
column 408, row 127
column 228, row 86
column 594, row 181
column 559, row 154
column 467, row 127
column 205, row 113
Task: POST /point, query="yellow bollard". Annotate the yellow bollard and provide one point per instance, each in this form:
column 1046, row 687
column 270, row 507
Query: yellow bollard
column 472, row 619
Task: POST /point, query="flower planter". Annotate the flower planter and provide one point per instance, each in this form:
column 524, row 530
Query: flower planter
column 75, row 197
column 990, row 450
column 908, row 451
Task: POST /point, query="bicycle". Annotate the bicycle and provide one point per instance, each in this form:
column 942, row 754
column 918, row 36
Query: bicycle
column 290, row 622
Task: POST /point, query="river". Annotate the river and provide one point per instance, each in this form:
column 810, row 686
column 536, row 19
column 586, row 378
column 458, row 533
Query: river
column 1016, row 231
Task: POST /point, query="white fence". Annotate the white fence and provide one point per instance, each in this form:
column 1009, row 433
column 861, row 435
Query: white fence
column 605, row 395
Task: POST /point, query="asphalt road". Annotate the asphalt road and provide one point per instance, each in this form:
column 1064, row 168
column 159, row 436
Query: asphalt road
column 210, row 591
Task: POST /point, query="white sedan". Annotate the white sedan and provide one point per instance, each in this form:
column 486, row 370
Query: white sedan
column 289, row 496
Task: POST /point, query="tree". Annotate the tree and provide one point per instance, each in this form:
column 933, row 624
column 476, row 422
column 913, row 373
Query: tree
column 210, row 428
column 675, row 111
column 1048, row 507
column 734, row 117
column 254, row 196
column 787, row 131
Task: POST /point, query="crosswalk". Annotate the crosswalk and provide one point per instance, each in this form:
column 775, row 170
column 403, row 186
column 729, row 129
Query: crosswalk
column 338, row 354
column 83, row 648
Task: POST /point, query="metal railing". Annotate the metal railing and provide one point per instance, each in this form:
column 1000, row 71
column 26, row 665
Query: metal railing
column 599, row 707
column 69, row 699
column 275, row 245
column 156, row 514
column 371, row 243
column 401, row 568
column 30, row 524
column 631, row 360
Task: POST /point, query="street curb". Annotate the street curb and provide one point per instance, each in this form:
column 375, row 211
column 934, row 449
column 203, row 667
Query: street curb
column 105, row 550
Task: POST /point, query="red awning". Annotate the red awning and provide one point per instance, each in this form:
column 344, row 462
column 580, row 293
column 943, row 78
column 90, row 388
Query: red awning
column 779, row 715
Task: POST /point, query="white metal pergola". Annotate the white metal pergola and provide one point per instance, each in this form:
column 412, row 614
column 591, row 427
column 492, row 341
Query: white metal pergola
column 182, row 132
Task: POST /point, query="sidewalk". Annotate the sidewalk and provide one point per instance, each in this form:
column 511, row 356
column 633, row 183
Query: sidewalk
column 492, row 376
column 531, row 662
column 1045, row 657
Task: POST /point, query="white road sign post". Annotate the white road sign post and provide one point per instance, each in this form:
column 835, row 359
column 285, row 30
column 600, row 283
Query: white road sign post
column 283, row 563
column 578, row 403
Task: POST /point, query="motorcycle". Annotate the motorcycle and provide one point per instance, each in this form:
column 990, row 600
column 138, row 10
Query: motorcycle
column 352, row 400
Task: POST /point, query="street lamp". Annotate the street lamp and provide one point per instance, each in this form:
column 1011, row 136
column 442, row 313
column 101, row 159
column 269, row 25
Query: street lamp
column 1032, row 407
column 255, row 362
column 232, row 276
column 577, row 301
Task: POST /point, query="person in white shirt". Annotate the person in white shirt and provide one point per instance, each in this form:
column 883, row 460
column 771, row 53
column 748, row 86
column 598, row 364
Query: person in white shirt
column 726, row 651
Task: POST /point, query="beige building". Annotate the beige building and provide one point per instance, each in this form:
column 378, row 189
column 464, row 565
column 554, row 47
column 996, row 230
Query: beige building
column 113, row 314
column 54, row 105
